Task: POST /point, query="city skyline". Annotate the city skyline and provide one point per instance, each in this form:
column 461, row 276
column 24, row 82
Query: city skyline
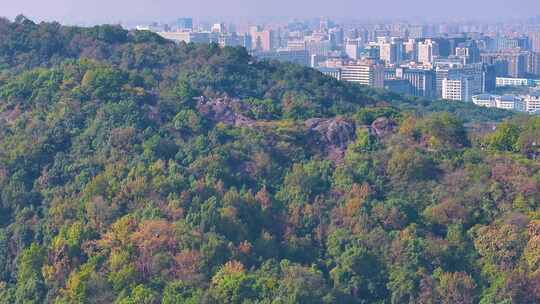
column 115, row 11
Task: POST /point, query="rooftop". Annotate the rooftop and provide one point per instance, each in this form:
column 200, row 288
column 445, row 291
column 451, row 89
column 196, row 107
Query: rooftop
column 485, row 96
column 511, row 98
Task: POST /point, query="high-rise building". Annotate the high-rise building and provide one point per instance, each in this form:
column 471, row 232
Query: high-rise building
column 503, row 43
column 516, row 64
column 373, row 52
column 490, row 78
column 511, row 63
column 296, row 45
column 458, row 88
column 400, row 48
column 417, row 31
column 261, row 39
column 468, row 52
column 387, row 52
column 325, row 24
column 498, row 62
column 337, row 37
column 475, row 74
column 534, row 41
column 247, row 42
column 391, row 50
column 446, row 47
column 218, row 28
column 352, row 48
column 184, row 24
column 427, row 51
column 453, row 43
column 367, row 72
column 410, row 49
column 422, row 82
column 230, row 40
column 533, row 63
column 318, row 47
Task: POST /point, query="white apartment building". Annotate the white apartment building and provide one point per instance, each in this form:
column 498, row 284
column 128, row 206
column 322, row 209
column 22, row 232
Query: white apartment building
column 507, row 102
column 352, row 48
column 485, row 100
column 473, row 72
column 332, row 72
column 532, row 103
column 189, row 37
column 410, row 49
column 366, row 73
column 511, row 102
column 428, row 50
column 458, row 89
column 514, row 82
column 296, row 45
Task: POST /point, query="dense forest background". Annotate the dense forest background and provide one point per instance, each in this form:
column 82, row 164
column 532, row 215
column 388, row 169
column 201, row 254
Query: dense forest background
column 134, row 170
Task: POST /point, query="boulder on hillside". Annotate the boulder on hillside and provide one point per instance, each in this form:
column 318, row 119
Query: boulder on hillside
column 383, row 127
column 333, row 135
column 336, row 132
column 223, row 110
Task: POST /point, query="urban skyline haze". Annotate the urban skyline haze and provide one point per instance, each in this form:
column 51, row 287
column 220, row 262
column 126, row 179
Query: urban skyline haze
column 134, row 10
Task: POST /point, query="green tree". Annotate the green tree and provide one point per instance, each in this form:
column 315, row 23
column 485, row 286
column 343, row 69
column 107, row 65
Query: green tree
column 505, row 138
column 30, row 284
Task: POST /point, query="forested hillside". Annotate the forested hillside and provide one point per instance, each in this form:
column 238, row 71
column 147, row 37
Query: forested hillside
column 134, row 170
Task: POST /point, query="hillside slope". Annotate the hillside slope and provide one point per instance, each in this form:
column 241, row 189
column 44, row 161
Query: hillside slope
column 133, row 170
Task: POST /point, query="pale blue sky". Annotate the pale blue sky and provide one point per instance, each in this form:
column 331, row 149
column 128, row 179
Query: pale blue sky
column 129, row 10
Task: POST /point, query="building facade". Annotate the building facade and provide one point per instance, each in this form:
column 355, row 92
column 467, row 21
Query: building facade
column 284, row 55
column 458, row 89
column 422, row 82
column 428, row 50
column 532, row 103
column 368, row 73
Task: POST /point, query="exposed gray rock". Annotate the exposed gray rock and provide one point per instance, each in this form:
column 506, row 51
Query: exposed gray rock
column 383, row 127
column 333, row 135
column 336, row 132
column 224, row 110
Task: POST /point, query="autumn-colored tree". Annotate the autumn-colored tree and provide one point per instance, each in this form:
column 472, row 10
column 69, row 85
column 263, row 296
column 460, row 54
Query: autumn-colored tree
column 456, row 288
column 152, row 238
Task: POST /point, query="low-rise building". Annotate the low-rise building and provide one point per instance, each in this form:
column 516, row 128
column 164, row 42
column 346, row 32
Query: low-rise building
column 485, row 100
column 189, row 37
column 283, row 55
column 332, row 72
column 507, row 102
column 400, row 86
column 511, row 102
column 532, row 103
column 512, row 82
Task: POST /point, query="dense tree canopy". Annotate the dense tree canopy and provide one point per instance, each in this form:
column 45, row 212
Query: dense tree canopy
column 134, row 170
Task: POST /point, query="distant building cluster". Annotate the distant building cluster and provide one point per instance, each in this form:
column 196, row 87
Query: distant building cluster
column 529, row 103
column 452, row 61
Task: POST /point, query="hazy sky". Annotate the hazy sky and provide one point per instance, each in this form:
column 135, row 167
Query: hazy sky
column 130, row 10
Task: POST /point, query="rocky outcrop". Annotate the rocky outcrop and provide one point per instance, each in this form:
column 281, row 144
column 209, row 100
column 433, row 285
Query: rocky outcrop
column 382, row 127
column 224, row 110
column 332, row 135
